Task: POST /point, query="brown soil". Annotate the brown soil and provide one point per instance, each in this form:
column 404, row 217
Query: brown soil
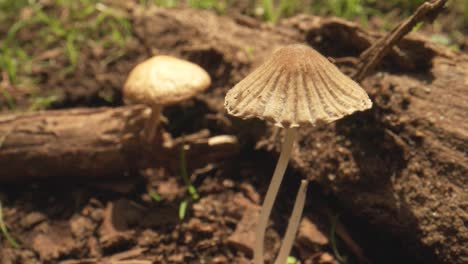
column 367, row 168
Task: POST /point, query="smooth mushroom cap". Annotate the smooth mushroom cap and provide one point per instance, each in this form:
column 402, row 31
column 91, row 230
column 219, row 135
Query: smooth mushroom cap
column 297, row 86
column 164, row 80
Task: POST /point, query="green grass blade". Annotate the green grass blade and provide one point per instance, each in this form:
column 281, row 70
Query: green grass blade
column 155, row 196
column 183, row 209
column 339, row 257
column 268, row 10
column 291, row 260
column 4, row 230
column 183, row 171
column 193, row 192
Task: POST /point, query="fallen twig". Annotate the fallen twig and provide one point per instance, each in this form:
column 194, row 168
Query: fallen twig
column 374, row 54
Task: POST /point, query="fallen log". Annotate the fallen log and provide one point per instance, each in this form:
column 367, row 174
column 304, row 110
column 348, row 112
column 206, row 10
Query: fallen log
column 97, row 142
column 401, row 167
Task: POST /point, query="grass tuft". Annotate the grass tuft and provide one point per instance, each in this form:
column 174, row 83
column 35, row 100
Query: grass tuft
column 70, row 26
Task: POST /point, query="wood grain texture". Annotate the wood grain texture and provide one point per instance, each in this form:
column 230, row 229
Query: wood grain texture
column 97, row 142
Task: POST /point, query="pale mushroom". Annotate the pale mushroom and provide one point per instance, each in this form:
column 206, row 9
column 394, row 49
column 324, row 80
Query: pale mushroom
column 293, row 224
column 161, row 81
column 295, row 87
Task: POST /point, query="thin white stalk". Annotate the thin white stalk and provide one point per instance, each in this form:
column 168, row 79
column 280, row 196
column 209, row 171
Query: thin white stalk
column 293, row 225
column 270, row 197
column 152, row 123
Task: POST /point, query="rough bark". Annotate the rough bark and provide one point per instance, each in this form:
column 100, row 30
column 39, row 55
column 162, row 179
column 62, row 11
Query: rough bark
column 99, row 142
column 402, row 166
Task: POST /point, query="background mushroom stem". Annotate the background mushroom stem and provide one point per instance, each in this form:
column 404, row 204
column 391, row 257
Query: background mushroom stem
column 293, row 225
column 152, row 124
column 270, row 197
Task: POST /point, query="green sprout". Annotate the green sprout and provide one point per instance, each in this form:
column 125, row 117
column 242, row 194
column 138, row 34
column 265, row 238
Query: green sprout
column 4, row 230
column 183, row 171
column 192, row 191
column 339, row 257
column 183, row 209
column 154, row 195
column 291, row 260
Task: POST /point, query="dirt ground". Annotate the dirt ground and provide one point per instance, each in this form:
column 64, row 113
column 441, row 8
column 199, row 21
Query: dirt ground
column 71, row 221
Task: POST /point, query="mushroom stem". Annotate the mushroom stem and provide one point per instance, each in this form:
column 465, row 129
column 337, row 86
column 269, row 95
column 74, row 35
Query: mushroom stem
column 152, row 124
column 270, row 197
column 293, row 224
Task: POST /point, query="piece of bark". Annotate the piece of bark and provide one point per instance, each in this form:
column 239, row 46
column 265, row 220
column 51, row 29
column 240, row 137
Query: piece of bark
column 310, row 235
column 53, row 246
column 99, row 142
column 243, row 238
column 401, row 167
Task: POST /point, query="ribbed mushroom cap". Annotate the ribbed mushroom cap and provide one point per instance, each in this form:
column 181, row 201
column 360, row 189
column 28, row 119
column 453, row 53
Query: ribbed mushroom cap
column 295, row 87
column 164, row 80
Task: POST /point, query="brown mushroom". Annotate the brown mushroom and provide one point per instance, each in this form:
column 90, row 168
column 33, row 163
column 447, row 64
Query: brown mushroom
column 162, row 81
column 295, row 87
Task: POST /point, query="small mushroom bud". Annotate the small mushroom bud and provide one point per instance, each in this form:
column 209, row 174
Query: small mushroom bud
column 161, row 81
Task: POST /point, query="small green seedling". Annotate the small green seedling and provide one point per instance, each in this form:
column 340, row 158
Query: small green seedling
column 183, row 171
column 154, row 195
column 4, row 230
column 192, row 191
column 291, row 260
column 183, row 209
column 334, row 222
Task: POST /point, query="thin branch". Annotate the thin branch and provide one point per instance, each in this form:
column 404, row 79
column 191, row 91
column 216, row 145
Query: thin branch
column 428, row 11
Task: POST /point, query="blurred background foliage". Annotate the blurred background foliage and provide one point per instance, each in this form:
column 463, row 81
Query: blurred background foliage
column 33, row 31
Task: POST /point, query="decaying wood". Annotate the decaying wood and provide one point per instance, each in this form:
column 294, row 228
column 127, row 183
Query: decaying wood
column 400, row 167
column 100, row 142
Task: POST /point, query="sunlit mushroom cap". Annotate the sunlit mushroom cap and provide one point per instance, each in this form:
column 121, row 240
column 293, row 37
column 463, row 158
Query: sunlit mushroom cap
column 164, row 80
column 295, row 87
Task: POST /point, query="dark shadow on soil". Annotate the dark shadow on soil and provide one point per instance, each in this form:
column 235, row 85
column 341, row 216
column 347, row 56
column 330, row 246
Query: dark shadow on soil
column 188, row 117
column 377, row 155
column 212, row 61
column 337, row 41
column 380, row 159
